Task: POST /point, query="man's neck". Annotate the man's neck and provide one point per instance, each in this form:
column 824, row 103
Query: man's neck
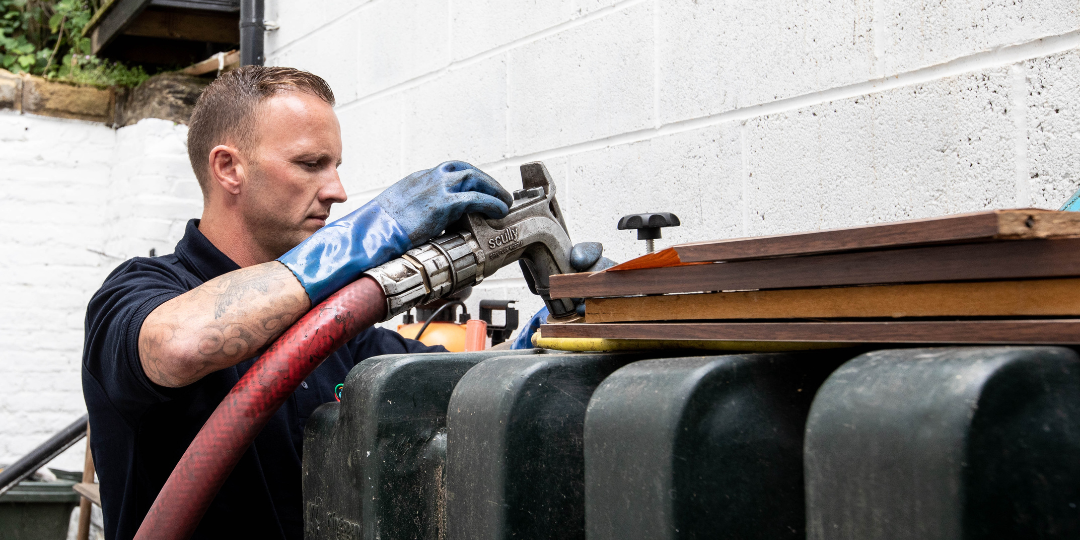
column 232, row 238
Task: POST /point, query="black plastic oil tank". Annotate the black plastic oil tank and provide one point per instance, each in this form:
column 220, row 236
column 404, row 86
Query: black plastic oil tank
column 515, row 459
column 374, row 463
column 947, row 444
column 705, row 447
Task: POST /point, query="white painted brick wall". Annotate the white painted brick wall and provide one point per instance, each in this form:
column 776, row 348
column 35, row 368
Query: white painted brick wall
column 76, row 199
column 744, row 118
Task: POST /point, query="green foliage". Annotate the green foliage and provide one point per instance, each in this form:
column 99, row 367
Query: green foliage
column 44, row 37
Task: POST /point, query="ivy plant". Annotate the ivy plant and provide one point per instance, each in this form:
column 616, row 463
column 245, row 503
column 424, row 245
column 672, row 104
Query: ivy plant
column 44, row 37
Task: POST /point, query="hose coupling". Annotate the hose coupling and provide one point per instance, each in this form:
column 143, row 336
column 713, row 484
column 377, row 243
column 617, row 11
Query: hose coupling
column 423, row 274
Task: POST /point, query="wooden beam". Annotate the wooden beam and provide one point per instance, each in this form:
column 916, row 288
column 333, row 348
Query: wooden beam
column 1046, row 331
column 1030, row 298
column 90, row 491
column 1023, row 259
column 118, row 16
column 98, row 15
column 213, row 27
column 229, row 6
column 228, row 61
column 981, row 226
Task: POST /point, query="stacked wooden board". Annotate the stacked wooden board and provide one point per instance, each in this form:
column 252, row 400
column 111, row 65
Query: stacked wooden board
column 1005, row 276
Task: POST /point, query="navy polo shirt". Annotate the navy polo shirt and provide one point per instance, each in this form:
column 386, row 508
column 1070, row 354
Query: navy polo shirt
column 139, row 430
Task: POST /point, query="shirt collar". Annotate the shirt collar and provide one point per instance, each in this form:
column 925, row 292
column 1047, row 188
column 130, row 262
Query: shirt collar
column 201, row 256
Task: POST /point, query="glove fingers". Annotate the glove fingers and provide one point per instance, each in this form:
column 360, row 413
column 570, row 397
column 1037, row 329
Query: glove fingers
column 603, row 264
column 469, row 178
column 585, row 254
column 472, row 201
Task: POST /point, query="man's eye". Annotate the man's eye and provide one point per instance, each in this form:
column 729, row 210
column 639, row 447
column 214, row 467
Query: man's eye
column 311, row 164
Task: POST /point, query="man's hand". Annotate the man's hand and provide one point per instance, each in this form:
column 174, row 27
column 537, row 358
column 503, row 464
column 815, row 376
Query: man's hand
column 219, row 324
column 426, row 202
column 589, row 257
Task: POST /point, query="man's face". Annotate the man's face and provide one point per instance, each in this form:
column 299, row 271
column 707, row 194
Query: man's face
column 292, row 171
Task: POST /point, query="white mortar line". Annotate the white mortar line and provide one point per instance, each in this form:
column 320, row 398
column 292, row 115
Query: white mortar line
column 490, row 53
column 656, row 62
column 321, row 27
column 994, row 58
column 1018, row 91
column 401, row 135
column 878, row 36
column 508, row 117
column 744, row 209
column 449, row 30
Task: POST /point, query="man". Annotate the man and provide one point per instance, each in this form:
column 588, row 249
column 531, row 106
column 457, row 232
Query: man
column 168, row 337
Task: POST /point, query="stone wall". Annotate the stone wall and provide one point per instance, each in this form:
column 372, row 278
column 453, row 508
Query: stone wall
column 76, row 199
column 744, row 118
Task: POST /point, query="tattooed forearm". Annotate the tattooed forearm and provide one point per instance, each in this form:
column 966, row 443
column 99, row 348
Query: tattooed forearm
column 220, row 323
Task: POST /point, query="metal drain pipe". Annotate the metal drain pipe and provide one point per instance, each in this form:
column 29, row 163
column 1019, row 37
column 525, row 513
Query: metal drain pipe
column 252, row 33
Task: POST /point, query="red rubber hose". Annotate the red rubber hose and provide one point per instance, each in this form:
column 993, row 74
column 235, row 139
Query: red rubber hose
column 232, row 427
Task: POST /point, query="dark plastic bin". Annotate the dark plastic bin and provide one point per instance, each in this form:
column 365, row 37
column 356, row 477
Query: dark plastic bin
column 37, row 510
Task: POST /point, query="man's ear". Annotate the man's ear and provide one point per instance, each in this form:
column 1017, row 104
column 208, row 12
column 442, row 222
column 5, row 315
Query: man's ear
column 227, row 169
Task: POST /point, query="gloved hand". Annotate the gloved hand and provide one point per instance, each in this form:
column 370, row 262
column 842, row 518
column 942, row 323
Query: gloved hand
column 588, row 257
column 584, row 257
column 425, row 202
column 407, row 214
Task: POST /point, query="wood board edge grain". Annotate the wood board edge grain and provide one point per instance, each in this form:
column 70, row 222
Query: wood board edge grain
column 1044, row 331
column 1026, row 259
column 975, row 227
column 1021, row 298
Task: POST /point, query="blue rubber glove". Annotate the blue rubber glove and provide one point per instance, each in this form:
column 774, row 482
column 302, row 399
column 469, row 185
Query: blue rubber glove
column 407, row 214
column 425, row 202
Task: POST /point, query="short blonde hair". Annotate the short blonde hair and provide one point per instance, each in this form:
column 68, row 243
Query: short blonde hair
column 226, row 111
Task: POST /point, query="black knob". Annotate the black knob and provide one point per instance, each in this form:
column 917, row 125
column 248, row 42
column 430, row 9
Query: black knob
column 648, row 225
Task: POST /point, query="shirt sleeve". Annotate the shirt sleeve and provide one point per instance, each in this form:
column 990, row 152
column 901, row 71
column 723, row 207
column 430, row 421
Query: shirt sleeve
column 114, row 317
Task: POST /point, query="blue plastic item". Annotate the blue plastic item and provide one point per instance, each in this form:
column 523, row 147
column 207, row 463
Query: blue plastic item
column 425, row 202
column 524, row 338
column 1073, row 204
column 339, row 252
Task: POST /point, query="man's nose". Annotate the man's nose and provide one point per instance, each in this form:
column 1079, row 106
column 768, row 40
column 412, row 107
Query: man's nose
column 333, row 191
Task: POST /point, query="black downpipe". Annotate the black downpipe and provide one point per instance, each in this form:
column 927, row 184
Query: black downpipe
column 38, row 457
column 252, row 33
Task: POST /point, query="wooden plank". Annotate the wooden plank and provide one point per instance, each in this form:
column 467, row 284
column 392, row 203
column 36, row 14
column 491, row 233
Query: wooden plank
column 228, row 6
column 1026, row 259
column 1046, row 331
column 982, row 226
column 89, row 490
column 215, row 27
column 228, row 60
column 113, row 22
column 1030, row 298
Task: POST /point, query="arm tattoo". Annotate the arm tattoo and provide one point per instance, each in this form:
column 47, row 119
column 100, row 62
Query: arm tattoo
column 220, row 323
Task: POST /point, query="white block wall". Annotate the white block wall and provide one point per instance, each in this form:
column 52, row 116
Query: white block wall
column 76, row 199
column 743, row 117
